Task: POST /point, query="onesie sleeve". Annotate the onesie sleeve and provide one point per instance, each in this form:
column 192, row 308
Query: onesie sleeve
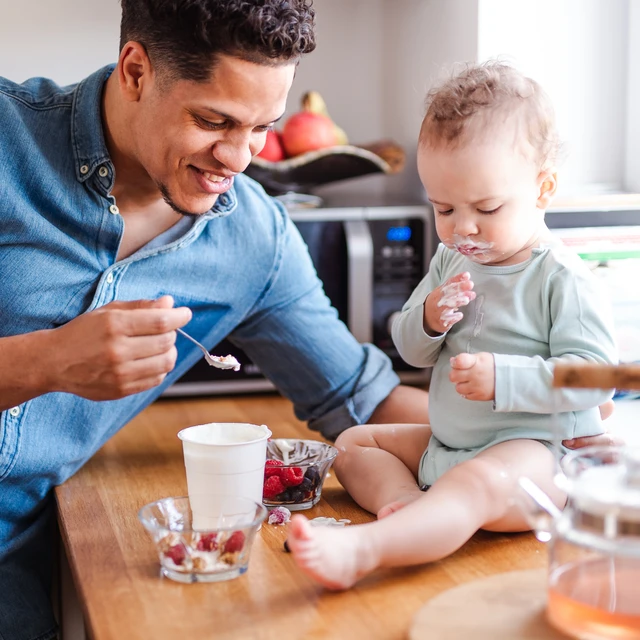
column 581, row 331
column 416, row 347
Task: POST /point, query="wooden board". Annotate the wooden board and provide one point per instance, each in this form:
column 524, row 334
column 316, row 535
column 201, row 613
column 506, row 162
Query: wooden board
column 506, row 606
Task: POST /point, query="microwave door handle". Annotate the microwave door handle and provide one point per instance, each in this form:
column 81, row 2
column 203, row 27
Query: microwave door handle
column 360, row 269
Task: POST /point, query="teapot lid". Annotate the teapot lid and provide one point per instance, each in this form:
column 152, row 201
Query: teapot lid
column 603, row 487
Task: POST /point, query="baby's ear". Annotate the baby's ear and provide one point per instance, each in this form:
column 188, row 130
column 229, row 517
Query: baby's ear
column 547, row 185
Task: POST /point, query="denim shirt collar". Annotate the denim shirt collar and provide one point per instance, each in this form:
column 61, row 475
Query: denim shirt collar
column 89, row 146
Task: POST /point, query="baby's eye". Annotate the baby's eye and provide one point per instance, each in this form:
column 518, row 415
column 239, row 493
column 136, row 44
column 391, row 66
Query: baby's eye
column 489, row 212
column 445, row 213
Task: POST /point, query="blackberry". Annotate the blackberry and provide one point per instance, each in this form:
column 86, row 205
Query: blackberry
column 306, row 485
column 313, row 475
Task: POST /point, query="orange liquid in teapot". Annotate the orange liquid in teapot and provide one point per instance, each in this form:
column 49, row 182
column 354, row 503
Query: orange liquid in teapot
column 596, row 599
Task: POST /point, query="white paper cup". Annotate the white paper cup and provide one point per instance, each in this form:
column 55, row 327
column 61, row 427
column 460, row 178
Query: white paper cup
column 222, row 459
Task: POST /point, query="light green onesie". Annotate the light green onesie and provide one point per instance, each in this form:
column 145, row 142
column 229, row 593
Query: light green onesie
column 530, row 316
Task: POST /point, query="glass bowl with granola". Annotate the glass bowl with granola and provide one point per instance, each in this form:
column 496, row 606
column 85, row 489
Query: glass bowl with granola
column 211, row 555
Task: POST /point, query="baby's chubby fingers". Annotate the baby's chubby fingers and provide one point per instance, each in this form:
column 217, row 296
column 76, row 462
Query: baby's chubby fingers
column 461, row 366
column 463, row 361
column 473, row 375
column 457, row 291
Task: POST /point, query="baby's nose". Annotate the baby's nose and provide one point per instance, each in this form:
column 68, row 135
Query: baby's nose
column 466, row 226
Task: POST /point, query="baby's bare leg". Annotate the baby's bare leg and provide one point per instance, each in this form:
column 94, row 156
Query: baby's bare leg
column 480, row 493
column 378, row 464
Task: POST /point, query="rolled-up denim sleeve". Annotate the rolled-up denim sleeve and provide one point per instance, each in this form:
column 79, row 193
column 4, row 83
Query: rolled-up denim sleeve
column 296, row 339
column 375, row 382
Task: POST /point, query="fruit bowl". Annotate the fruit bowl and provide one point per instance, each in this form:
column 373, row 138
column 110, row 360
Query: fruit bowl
column 295, row 479
column 211, row 555
column 315, row 168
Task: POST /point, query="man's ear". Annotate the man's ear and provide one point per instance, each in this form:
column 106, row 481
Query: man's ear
column 135, row 71
column 547, row 185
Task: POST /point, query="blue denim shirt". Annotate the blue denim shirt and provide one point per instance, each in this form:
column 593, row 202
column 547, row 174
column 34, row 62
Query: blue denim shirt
column 242, row 268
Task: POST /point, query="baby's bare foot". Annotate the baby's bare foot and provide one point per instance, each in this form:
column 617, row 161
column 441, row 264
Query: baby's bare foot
column 396, row 505
column 336, row 558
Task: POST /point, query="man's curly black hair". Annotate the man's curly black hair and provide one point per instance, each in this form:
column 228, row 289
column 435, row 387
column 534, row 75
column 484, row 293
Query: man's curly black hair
column 184, row 37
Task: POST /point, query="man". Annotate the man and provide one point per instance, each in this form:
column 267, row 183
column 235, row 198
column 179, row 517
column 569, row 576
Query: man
column 124, row 216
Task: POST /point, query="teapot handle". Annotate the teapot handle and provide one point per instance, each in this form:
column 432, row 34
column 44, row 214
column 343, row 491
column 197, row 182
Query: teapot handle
column 538, row 509
column 597, row 376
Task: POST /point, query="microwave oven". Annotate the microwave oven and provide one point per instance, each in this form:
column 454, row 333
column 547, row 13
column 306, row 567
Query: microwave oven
column 370, row 259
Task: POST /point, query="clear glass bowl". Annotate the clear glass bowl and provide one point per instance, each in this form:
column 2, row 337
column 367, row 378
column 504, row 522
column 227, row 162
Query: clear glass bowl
column 211, row 555
column 297, row 485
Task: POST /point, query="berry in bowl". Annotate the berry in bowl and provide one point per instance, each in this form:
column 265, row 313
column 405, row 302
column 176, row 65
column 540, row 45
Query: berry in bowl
column 295, row 471
column 217, row 553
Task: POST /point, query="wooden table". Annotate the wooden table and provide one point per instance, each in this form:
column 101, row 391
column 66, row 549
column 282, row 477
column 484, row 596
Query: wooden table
column 116, row 572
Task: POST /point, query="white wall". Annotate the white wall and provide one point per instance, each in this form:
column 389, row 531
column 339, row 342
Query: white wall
column 422, row 41
column 577, row 50
column 632, row 145
column 64, row 40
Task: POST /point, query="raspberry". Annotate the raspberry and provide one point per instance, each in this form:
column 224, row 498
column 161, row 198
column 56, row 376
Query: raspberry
column 279, row 515
column 177, row 554
column 272, row 487
column 292, row 476
column 234, row 543
column 208, row 542
column 272, row 468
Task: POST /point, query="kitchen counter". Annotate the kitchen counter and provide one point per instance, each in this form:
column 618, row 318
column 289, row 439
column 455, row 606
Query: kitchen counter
column 115, row 569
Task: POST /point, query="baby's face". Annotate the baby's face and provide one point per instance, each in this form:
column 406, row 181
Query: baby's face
column 486, row 195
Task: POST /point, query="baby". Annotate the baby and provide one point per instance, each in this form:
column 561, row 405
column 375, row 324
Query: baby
column 503, row 301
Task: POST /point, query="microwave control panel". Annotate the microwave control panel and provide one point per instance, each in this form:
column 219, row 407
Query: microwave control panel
column 400, row 247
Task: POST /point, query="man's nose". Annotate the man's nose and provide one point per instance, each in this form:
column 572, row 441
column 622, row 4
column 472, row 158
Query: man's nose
column 234, row 152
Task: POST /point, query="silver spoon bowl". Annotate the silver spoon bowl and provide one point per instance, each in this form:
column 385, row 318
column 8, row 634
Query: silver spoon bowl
column 219, row 362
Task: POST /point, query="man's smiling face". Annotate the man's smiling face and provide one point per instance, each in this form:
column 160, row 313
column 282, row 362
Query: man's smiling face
column 193, row 138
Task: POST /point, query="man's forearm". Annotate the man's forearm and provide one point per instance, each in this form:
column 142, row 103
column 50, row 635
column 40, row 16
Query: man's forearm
column 406, row 405
column 23, row 366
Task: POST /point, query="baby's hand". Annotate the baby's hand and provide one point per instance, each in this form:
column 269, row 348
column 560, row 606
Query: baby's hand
column 442, row 304
column 474, row 375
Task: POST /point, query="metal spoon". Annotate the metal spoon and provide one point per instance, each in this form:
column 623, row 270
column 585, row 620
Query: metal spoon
column 220, row 362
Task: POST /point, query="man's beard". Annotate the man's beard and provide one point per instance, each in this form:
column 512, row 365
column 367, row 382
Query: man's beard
column 166, row 196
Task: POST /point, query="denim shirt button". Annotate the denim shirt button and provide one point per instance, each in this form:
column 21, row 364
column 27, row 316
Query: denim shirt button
column 110, row 278
column 84, row 169
column 14, row 411
column 103, row 172
column 114, row 209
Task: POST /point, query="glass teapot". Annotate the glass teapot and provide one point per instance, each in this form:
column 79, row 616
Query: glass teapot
column 594, row 543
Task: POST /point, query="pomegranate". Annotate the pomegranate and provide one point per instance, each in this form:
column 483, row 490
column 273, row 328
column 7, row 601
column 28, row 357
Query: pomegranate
column 307, row 131
column 272, row 150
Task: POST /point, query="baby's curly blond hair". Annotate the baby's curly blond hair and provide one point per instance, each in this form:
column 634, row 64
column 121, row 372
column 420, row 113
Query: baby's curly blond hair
column 481, row 93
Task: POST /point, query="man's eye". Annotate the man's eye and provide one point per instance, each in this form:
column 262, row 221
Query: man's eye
column 206, row 124
column 489, row 212
column 265, row 127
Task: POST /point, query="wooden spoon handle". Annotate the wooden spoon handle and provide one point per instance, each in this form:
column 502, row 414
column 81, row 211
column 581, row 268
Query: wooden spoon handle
column 597, row 376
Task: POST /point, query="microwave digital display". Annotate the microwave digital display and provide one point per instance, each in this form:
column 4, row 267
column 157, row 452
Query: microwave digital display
column 399, row 234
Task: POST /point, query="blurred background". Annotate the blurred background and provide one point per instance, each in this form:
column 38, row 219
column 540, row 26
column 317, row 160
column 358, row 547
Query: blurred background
column 376, row 59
